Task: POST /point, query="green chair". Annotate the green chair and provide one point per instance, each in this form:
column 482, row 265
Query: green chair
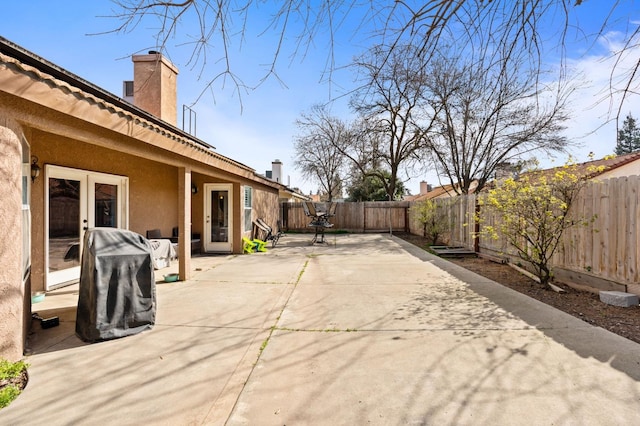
column 248, row 246
column 260, row 245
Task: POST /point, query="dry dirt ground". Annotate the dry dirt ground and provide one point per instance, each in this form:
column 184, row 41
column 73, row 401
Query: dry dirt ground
column 582, row 304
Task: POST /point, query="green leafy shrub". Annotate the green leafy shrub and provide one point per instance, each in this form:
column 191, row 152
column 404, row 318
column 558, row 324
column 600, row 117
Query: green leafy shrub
column 433, row 221
column 10, row 375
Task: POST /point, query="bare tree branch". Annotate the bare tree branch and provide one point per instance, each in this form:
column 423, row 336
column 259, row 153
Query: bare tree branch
column 489, row 109
column 521, row 26
column 391, row 104
column 317, row 157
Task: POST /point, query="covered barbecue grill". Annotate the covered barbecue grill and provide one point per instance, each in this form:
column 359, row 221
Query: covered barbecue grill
column 117, row 285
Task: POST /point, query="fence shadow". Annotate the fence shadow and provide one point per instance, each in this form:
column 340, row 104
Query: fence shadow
column 582, row 338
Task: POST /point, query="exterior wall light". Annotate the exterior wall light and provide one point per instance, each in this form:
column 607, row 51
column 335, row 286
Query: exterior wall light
column 35, row 169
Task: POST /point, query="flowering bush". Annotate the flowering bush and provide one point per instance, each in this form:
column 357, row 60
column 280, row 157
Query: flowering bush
column 434, row 222
column 533, row 212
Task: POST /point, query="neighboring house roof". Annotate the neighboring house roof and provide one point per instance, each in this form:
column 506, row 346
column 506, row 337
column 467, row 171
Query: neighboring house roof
column 444, row 191
column 604, row 168
column 608, row 167
column 629, row 163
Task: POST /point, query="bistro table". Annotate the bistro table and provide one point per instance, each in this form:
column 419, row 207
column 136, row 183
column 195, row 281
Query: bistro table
column 319, row 220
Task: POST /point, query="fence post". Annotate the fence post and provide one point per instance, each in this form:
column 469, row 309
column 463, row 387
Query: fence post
column 364, row 218
column 389, row 207
column 476, row 226
column 406, row 219
column 284, row 215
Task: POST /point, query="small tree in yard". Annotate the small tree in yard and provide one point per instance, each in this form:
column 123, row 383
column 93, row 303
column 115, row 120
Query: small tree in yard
column 534, row 211
column 434, row 222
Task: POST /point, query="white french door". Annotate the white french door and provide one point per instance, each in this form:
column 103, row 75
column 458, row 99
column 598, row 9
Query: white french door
column 218, row 217
column 75, row 201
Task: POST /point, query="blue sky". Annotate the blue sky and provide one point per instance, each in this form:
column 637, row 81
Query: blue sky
column 260, row 127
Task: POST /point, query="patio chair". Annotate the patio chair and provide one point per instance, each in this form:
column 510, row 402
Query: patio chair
column 195, row 239
column 305, row 207
column 164, row 250
column 248, row 246
column 154, row 234
column 332, row 209
column 319, row 220
column 266, row 233
column 311, row 208
column 279, row 232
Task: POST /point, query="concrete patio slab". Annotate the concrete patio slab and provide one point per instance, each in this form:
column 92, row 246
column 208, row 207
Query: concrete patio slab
column 171, row 375
column 437, row 377
column 385, row 270
column 398, row 307
column 255, row 269
column 225, row 304
column 364, row 329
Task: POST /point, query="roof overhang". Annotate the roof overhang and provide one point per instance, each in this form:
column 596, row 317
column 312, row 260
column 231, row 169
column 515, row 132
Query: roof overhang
column 30, row 78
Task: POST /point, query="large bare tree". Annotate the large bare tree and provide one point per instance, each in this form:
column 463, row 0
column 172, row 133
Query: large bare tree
column 490, row 109
column 389, row 138
column 316, row 153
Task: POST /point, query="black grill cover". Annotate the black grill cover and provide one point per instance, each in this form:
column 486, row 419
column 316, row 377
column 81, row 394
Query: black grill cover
column 117, row 285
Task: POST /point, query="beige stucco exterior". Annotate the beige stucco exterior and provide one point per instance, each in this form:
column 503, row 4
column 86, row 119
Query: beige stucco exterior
column 80, row 127
column 12, row 289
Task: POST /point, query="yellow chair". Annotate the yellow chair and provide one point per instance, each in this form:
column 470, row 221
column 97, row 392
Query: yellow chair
column 260, row 245
column 248, row 246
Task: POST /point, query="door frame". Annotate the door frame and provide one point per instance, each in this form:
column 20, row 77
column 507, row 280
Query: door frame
column 87, row 181
column 207, row 245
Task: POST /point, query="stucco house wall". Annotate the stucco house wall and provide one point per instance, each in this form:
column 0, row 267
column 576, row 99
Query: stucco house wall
column 12, row 289
column 262, row 206
column 630, row 169
column 152, row 188
column 70, row 123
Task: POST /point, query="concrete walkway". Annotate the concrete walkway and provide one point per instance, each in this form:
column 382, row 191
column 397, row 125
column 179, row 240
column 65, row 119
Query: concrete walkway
column 365, row 329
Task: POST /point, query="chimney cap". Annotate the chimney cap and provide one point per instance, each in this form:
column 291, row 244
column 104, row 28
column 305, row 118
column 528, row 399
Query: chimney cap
column 154, row 52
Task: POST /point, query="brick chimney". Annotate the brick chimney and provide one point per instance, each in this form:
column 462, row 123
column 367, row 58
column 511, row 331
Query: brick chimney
column 155, row 87
column 424, row 187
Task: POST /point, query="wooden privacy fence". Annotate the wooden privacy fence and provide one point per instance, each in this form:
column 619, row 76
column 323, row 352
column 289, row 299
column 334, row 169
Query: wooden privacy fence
column 381, row 216
column 371, row 216
column 460, row 211
column 604, row 254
